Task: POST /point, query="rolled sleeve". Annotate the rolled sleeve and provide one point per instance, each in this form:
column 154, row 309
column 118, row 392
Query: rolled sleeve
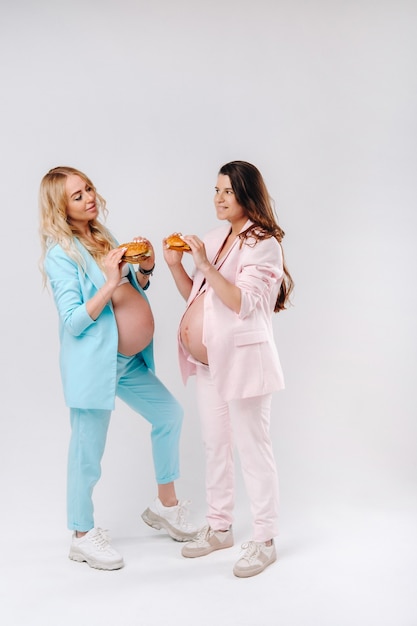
column 260, row 270
column 255, row 282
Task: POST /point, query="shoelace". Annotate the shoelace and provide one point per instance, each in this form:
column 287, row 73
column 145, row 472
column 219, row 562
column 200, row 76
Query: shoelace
column 101, row 539
column 182, row 514
column 252, row 550
column 203, row 535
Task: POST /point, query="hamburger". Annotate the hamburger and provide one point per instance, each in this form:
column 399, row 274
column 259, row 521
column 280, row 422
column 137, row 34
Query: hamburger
column 176, row 242
column 136, row 251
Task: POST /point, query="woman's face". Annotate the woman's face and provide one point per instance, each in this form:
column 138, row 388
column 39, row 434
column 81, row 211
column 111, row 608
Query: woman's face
column 81, row 201
column 227, row 207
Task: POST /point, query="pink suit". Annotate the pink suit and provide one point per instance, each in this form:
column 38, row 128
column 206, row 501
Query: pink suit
column 235, row 390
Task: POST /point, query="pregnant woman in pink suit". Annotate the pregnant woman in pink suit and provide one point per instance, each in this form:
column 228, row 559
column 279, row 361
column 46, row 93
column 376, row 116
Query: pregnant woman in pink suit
column 226, row 340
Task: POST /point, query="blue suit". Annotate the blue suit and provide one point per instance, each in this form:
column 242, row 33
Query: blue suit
column 88, row 356
column 93, row 373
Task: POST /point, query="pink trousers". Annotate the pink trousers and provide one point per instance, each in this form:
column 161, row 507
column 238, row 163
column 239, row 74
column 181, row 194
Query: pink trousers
column 243, row 424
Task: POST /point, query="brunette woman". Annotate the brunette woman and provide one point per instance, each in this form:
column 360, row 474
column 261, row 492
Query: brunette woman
column 226, row 340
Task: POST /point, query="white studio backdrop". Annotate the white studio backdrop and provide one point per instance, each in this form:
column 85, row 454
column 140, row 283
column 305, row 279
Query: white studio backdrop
column 150, row 99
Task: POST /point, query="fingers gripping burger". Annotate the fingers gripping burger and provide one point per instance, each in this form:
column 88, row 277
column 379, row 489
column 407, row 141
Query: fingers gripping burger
column 136, row 251
column 176, row 242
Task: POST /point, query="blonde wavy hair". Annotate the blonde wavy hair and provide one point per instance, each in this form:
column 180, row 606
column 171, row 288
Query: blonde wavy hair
column 54, row 226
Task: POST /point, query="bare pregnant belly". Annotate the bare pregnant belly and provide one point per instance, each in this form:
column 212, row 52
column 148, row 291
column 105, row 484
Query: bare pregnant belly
column 191, row 330
column 135, row 323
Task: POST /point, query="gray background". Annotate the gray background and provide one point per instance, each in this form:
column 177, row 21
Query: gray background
column 150, row 99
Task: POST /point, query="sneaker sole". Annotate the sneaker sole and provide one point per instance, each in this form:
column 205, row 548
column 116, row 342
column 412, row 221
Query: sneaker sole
column 254, row 571
column 80, row 558
column 155, row 521
column 191, row 553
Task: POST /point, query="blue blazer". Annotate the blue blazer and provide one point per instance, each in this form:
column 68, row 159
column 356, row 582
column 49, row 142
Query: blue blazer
column 88, row 348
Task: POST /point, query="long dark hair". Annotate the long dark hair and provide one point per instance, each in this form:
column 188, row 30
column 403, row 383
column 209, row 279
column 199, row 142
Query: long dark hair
column 250, row 191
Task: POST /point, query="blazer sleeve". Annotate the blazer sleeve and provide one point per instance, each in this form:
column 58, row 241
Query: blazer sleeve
column 260, row 269
column 65, row 280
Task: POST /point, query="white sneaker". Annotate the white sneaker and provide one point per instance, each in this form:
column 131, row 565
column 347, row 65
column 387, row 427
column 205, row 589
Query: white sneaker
column 171, row 518
column 95, row 549
column 255, row 559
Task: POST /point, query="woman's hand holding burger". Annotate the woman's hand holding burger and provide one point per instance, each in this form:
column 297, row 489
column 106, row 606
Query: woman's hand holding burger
column 174, row 245
column 139, row 250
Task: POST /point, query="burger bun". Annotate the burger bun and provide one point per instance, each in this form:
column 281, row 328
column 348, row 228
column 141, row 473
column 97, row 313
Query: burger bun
column 136, row 251
column 176, row 242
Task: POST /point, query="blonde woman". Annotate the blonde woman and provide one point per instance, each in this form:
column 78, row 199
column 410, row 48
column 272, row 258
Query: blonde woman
column 106, row 350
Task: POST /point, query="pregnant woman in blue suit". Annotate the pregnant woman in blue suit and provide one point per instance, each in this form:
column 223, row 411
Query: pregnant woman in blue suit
column 106, row 332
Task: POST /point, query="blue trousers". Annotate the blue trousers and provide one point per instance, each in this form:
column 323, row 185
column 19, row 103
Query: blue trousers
column 145, row 394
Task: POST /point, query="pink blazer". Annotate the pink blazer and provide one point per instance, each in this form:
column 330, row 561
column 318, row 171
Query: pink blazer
column 241, row 350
